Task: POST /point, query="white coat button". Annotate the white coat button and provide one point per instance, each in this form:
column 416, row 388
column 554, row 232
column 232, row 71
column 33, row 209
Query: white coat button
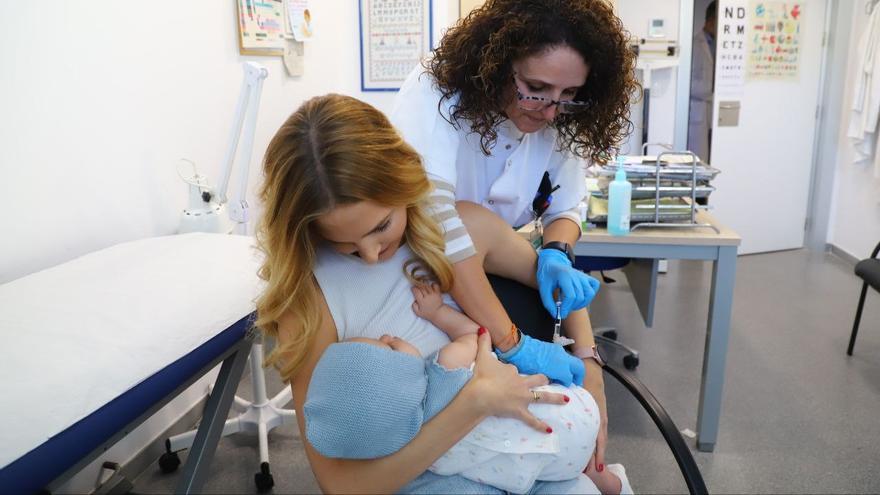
column 507, row 443
column 507, row 147
column 491, row 201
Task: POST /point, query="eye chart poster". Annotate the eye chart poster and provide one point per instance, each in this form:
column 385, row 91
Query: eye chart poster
column 774, row 40
column 395, row 37
column 730, row 67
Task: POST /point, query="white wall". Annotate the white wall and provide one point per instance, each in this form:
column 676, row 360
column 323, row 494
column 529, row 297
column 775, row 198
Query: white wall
column 99, row 101
column 855, row 215
column 636, row 15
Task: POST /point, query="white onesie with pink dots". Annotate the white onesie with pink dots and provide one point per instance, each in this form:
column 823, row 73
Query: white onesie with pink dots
column 510, row 455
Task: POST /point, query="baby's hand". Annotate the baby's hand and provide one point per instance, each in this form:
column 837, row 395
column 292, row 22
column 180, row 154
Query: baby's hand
column 428, row 300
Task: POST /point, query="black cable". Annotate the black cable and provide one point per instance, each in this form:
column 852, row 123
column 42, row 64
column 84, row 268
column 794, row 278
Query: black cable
column 652, row 406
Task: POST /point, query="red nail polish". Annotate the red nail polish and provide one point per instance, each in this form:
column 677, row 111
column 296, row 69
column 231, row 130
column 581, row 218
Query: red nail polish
column 600, row 467
column 549, row 430
column 566, row 398
column 481, row 331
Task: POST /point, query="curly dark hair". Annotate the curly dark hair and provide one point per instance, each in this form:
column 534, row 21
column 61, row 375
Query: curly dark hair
column 475, row 56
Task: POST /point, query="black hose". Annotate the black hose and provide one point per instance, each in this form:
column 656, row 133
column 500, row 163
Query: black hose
column 680, row 450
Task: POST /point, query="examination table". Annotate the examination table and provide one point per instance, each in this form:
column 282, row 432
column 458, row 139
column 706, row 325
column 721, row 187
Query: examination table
column 93, row 347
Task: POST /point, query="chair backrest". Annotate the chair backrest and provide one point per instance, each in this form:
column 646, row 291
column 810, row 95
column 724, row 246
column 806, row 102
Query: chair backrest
column 599, row 263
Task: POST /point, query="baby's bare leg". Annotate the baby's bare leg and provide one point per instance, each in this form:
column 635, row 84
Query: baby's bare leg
column 460, row 353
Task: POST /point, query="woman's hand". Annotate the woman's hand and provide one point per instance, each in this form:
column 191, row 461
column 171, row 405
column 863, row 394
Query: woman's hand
column 595, row 385
column 497, row 389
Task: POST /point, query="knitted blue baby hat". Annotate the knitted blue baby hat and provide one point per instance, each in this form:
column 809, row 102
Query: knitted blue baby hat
column 364, row 401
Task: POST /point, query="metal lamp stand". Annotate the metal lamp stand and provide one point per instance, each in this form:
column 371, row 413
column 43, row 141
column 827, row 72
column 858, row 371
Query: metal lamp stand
column 262, row 414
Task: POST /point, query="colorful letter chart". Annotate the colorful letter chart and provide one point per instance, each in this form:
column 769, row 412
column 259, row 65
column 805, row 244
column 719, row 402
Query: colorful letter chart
column 395, row 37
column 774, row 40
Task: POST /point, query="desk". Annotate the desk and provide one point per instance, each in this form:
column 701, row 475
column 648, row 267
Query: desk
column 687, row 244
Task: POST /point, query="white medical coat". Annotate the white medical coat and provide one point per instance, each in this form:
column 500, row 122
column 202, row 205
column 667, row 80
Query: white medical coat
column 700, row 111
column 504, row 182
column 866, row 98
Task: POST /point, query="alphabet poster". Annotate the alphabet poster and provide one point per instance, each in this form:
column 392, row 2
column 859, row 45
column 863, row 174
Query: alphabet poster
column 395, row 37
column 731, row 47
column 774, row 40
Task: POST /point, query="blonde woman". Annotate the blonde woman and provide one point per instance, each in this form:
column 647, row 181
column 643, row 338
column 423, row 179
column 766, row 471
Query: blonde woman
column 345, row 234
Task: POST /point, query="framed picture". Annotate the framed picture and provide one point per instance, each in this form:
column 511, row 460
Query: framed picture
column 395, row 35
column 261, row 27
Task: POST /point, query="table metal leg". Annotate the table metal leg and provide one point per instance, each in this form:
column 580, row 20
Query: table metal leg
column 715, row 353
column 197, row 462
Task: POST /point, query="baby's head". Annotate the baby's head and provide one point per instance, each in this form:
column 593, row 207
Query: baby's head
column 365, row 398
column 391, row 343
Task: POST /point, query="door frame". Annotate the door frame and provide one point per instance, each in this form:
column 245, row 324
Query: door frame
column 830, row 115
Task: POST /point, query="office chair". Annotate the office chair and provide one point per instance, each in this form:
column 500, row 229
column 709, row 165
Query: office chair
column 608, row 335
column 523, row 305
column 869, row 271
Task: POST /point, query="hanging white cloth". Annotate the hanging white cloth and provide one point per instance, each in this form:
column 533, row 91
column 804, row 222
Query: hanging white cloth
column 866, row 99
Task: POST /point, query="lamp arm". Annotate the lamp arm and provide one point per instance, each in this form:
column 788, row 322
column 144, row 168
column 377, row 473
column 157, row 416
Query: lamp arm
column 243, row 124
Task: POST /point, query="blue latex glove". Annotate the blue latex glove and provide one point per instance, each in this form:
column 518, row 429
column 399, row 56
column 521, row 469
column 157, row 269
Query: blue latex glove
column 577, row 289
column 532, row 356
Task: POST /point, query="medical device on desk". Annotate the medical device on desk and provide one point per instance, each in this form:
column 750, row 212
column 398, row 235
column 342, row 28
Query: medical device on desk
column 207, row 207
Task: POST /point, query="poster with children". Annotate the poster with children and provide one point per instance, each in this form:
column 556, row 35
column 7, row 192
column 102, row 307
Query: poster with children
column 774, row 40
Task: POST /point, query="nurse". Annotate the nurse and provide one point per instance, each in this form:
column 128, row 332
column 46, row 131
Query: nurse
column 518, row 93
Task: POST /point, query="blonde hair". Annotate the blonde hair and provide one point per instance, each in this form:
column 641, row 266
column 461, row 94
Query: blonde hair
column 334, row 150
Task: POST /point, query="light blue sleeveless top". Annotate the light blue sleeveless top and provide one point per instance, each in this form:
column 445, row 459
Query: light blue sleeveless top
column 372, row 300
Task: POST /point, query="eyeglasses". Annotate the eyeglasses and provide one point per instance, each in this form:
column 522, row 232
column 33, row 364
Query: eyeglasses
column 538, row 103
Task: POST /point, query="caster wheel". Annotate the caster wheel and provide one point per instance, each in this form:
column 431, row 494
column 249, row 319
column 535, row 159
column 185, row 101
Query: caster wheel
column 169, row 462
column 610, row 334
column 264, row 479
column 631, row 361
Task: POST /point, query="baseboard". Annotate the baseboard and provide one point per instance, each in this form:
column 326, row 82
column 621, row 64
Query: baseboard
column 842, row 254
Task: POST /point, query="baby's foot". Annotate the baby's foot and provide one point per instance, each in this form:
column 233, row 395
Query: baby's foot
column 611, row 480
column 619, row 472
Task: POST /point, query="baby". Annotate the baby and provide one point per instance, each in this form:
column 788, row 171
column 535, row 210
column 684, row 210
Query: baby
column 368, row 398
